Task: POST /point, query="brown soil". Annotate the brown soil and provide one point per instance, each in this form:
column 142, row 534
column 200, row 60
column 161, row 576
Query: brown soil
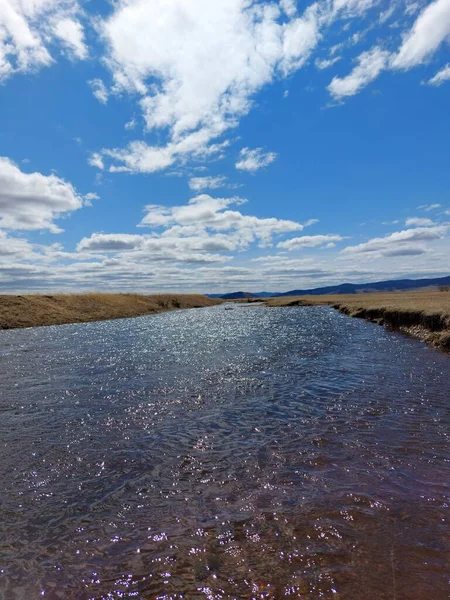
column 422, row 314
column 37, row 310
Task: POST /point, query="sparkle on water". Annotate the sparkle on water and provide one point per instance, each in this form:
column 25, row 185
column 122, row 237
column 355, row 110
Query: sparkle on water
column 254, row 453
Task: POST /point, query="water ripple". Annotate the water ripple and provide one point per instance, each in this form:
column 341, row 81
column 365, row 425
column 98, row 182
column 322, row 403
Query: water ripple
column 254, row 453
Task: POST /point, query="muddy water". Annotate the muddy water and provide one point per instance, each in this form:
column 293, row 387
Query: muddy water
column 253, row 453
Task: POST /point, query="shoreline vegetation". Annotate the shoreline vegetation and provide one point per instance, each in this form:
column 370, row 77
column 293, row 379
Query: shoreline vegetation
column 58, row 309
column 422, row 314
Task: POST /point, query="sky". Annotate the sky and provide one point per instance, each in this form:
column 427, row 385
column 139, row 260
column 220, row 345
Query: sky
column 214, row 146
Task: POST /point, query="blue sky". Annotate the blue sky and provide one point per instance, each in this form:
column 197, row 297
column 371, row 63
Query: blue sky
column 198, row 146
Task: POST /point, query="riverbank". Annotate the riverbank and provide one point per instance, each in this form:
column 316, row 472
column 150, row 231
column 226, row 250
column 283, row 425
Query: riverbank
column 422, row 314
column 57, row 309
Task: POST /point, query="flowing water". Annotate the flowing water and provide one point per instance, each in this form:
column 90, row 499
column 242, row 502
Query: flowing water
column 253, row 453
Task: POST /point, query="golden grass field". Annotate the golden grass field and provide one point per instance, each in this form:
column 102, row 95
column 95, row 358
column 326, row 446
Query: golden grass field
column 423, row 313
column 56, row 309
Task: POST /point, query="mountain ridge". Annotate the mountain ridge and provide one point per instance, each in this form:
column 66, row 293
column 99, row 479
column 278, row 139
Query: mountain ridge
column 344, row 288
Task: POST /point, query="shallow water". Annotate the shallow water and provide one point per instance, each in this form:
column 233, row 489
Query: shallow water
column 253, row 453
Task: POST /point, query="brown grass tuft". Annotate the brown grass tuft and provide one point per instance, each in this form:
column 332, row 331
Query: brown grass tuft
column 56, row 309
column 424, row 314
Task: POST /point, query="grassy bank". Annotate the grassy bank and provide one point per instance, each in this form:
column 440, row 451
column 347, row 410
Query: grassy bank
column 38, row 310
column 423, row 314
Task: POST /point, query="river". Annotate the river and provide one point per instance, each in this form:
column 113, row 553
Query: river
column 248, row 453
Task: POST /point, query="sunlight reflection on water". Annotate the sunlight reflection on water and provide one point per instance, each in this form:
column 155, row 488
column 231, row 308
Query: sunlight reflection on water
column 254, row 453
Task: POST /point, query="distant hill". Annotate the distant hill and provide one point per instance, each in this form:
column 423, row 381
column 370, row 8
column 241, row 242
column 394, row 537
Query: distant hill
column 396, row 285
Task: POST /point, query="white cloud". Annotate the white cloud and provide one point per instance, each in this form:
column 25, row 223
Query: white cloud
column 370, row 64
column 99, row 90
column 204, row 231
column 289, row 7
column 419, row 44
column 207, row 183
column 89, row 197
column 418, row 222
column 431, row 28
column 162, row 249
column 201, row 84
column 404, row 250
column 429, row 207
column 187, row 258
column 195, row 68
column 195, row 91
column 253, row 160
column 139, row 157
column 28, row 29
column 71, row 34
column 300, row 37
column 387, row 14
column 211, row 218
column 310, row 241
column 95, row 160
column 131, row 124
column 10, row 246
column 157, row 216
column 413, row 7
column 353, row 8
column 400, row 242
column 326, row 63
column 441, row 76
column 31, row 201
column 110, row 242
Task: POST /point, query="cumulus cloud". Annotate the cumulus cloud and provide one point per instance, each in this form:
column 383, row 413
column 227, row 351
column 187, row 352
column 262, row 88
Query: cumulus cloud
column 174, row 249
column 182, row 261
column 71, row 35
column 194, row 92
column 300, row 36
column 89, row 197
column 10, row 246
column 28, row 29
column 110, row 242
column 191, row 94
column 95, row 160
column 200, row 85
column 204, row 215
column 400, row 242
column 31, row 201
column 310, row 241
column 418, row 222
column 253, row 160
column 205, row 230
column 369, row 66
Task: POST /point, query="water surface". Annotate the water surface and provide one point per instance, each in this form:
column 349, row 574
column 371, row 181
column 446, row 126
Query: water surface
column 254, row 453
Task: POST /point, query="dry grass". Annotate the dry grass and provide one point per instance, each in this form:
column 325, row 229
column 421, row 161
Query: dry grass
column 428, row 301
column 38, row 310
column 424, row 314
